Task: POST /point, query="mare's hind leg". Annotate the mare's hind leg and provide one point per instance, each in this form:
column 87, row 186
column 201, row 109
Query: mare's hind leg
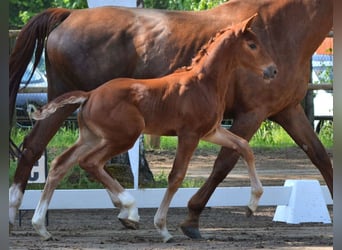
column 58, row 169
column 93, row 162
column 296, row 123
column 33, row 146
column 227, row 139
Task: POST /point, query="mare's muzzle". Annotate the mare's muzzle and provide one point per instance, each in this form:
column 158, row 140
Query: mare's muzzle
column 270, row 72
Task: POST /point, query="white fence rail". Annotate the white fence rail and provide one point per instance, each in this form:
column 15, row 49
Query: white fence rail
column 151, row 198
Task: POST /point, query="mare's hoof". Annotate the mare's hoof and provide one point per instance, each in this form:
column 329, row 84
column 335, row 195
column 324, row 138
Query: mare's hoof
column 51, row 239
column 170, row 240
column 129, row 224
column 191, row 232
column 249, row 212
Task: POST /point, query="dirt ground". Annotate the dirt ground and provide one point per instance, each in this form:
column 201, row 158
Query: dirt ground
column 221, row 227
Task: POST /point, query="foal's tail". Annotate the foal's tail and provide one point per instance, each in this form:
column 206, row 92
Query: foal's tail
column 73, row 97
column 31, row 41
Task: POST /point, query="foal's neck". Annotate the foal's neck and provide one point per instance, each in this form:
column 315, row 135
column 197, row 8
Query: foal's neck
column 216, row 64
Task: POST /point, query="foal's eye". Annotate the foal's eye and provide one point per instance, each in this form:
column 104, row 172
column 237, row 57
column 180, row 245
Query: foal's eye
column 252, row 45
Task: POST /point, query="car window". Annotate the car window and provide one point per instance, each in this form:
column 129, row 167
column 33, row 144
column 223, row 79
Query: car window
column 38, row 77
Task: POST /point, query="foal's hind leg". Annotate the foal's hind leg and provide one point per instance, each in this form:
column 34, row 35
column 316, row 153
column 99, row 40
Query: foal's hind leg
column 33, row 146
column 58, row 169
column 227, row 139
column 93, row 162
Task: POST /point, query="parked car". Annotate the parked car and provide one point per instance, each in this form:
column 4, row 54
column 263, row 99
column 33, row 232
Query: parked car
column 322, row 73
column 32, row 96
column 322, row 68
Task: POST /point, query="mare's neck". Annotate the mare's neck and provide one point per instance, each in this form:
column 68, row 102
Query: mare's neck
column 309, row 23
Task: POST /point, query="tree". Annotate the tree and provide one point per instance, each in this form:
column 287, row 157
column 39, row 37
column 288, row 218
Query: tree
column 20, row 11
column 182, row 4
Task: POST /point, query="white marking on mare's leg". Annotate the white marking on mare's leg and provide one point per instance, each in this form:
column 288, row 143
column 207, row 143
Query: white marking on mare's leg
column 38, row 220
column 15, row 198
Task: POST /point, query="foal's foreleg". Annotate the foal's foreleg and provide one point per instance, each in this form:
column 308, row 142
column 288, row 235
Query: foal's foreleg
column 186, row 146
column 227, row 139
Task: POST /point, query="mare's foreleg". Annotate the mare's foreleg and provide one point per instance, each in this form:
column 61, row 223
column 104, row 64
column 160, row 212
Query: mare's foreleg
column 33, row 147
column 296, row 124
column 186, row 146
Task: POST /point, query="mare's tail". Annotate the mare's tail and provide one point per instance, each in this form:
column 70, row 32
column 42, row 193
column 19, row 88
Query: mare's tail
column 31, row 40
column 72, row 97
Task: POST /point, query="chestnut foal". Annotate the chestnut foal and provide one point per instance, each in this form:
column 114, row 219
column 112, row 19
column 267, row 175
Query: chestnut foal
column 188, row 103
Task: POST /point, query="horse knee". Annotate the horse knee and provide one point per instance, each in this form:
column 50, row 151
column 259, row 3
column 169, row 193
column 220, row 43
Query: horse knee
column 88, row 166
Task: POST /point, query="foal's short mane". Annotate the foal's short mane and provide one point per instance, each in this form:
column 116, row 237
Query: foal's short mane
column 203, row 51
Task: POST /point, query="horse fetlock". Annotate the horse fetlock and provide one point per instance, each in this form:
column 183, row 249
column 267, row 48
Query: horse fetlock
column 256, row 194
column 160, row 225
column 39, row 226
column 167, row 237
column 130, row 213
column 15, row 198
column 128, row 207
column 12, row 211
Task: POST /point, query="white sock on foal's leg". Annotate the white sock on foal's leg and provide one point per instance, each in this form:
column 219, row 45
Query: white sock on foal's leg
column 128, row 207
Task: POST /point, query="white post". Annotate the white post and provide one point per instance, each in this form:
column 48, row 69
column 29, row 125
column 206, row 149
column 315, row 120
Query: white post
column 133, row 155
column 306, row 204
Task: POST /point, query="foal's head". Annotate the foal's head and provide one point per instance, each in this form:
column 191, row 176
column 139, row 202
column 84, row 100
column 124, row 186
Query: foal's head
column 250, row 52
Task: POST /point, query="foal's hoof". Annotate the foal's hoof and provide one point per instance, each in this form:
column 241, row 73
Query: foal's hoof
column 129, row 224
column 191, row 232
column 249, row 212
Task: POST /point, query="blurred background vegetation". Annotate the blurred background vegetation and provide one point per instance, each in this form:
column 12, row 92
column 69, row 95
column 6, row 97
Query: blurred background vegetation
column 20, row 11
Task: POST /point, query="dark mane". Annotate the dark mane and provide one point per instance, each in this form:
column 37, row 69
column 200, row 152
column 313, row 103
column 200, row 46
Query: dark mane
column 203, row 51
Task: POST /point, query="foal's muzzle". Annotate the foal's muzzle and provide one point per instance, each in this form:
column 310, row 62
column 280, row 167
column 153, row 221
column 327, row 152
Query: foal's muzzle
column 270, row 72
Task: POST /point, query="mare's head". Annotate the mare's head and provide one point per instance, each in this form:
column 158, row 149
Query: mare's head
column 250, row 52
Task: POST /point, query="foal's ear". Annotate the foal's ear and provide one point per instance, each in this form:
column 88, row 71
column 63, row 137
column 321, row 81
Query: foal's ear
column 247, row 23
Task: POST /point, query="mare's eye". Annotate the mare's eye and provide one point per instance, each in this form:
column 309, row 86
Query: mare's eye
column 252, row 45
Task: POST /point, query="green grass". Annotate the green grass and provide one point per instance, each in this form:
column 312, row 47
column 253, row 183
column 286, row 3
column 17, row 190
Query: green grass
column 269, row 136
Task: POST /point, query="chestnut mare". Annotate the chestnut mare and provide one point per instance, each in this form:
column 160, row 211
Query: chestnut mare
column 85, row 48
column 188, row 103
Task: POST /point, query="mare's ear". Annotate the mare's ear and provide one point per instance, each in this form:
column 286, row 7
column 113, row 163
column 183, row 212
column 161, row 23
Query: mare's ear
column 247, row 23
